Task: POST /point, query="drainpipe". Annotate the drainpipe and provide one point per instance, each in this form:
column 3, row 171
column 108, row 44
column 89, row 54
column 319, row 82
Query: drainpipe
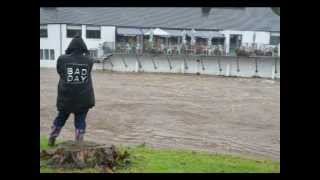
column 227, row 43
column 60, row 40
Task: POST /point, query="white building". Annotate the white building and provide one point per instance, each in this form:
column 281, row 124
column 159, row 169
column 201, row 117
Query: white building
column 54, row 39
column 238, row 26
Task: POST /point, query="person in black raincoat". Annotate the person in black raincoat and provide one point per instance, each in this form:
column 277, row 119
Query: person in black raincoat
column 75, row 90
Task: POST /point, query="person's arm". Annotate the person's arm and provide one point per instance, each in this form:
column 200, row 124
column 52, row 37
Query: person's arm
column 59, row 66
column 92, row 64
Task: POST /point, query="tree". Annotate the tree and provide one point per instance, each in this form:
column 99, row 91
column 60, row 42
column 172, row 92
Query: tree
column 276, row 10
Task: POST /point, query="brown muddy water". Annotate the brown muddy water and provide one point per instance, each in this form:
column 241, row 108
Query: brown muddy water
column 208, row 113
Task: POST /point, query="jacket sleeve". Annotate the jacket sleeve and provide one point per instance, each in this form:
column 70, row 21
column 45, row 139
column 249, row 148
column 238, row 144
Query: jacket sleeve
column 59, row 70
column 91, row 64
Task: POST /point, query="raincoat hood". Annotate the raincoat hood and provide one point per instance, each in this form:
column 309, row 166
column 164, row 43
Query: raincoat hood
column 75, row 88
column 77, row 45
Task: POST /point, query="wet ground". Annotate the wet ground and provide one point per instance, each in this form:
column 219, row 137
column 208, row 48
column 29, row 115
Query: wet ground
column 209, row 113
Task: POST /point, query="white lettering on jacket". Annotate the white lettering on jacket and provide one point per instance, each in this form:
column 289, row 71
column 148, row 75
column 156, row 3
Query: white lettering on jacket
column 76, row 73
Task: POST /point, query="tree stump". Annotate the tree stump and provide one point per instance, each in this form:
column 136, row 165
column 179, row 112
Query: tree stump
column 69, row 154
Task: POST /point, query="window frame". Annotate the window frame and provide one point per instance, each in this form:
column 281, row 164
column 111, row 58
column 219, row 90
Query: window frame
column 41, row 54
column 44, row 27
column 51, row 55
column 98, row 30
column 274, row 35
column 75, row 28
column 45, row 56
column 95, row 52
column 218, row 41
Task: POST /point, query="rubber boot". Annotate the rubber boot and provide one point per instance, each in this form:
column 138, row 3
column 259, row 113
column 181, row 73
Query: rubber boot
column 79, row 136
column 55, row 131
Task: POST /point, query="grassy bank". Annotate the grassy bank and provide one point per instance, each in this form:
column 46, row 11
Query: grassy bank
column 149, row 160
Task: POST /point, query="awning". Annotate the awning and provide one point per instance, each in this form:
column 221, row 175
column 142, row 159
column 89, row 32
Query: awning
column 206, row 34
column 157, row 32
column 144, row 31
column 177, row 33
column 169, row 31
column 215, row 34
column 174, row 32
column 129, row 31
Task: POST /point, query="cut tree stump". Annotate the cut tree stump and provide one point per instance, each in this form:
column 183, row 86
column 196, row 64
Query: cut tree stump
column 69, row 154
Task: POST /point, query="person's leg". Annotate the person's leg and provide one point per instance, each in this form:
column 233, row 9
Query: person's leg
column 80, row 125
column 56, row 127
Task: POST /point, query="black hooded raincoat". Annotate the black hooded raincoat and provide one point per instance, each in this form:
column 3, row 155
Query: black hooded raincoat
column 75, row 90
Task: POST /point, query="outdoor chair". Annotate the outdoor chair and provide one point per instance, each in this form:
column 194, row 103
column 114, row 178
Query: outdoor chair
column 205, row 51
column 133, row 50
column 210, row 51
column 169, row 51
column 178, row 50
column 128, row 49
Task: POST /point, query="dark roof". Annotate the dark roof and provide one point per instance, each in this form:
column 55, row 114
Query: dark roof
column 258, row 19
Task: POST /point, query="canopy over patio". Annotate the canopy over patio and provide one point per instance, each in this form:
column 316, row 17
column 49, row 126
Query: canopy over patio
column 181, row 33
column 175, row 33
column 205, row 34
column 157, row 32
column 129, row 31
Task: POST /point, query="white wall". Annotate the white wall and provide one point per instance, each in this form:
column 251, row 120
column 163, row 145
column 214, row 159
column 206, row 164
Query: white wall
column 267, row 67
column 107, row 34
column 53, row 40
column 247, row 37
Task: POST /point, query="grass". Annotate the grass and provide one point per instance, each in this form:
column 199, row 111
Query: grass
column 148, row 160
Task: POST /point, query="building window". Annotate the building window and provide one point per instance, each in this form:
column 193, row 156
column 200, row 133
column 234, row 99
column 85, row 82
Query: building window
column 41, row 54
column 93, row 53
column 46, row 54
column 217, row 41
column 73, row 30
column 274, row 38
column 52, row 54
column 93, row 32
column 43, row 31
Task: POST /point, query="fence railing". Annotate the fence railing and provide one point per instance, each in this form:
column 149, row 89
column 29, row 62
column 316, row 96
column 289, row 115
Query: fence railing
column 252, row 66
column 191, row 50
